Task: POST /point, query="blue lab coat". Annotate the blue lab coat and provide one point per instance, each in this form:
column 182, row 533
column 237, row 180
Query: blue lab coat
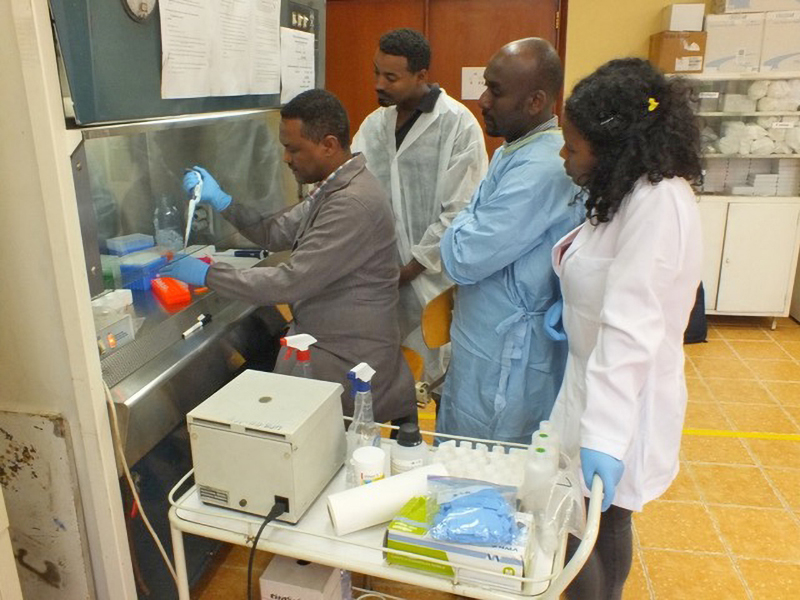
column 505, row 372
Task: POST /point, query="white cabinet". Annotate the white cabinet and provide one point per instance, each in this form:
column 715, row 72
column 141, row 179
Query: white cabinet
column 751, row 247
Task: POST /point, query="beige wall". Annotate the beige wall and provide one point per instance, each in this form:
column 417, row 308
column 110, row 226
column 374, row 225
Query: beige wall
column 599, row 30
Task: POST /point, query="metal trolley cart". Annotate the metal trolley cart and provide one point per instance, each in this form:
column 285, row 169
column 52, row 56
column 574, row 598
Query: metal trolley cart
column 313, row 538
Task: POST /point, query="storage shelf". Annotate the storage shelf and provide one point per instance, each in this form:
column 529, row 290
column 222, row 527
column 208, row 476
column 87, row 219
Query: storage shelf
column 738, row 76
column 770, row 113
column 756, row 156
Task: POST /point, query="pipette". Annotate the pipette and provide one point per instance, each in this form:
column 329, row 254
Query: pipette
column 193, row 202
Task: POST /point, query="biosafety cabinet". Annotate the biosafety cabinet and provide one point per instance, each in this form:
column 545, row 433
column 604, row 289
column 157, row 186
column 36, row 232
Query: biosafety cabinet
column 106, row 151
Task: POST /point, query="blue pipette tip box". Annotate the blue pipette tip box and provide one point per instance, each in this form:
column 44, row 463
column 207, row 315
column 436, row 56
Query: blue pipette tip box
column 140, row 268
column 126, row 244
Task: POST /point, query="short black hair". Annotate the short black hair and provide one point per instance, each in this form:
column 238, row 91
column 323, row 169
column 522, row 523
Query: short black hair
column 549, row 72
column 637, row 123
column 322, row 114
column 409, row 43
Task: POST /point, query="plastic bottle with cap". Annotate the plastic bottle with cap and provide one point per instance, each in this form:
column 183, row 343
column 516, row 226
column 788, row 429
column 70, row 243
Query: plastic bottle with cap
column 301, row 344
column 547, row 437
column 363, row 430
column 167, row 225
column 410, row 450
column 541, row 472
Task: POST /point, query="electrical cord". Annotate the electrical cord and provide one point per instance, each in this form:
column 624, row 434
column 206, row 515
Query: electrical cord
column 115, row 434
column 276, row 511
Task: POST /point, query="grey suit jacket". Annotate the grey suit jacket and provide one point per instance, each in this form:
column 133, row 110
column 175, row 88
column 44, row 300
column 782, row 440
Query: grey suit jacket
column 341, row 282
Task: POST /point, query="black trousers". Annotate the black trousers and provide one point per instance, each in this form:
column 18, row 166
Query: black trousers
column 604, row 574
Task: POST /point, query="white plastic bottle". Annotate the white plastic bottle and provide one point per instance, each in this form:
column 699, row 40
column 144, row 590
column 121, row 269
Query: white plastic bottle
column 541, row 472
column 363, row 430
column 547, row 437
column 301, row 343
column 410, row 451
column 540, row 476
column 167, row 225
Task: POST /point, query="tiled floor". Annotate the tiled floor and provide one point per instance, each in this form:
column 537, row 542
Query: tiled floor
column 729, row 527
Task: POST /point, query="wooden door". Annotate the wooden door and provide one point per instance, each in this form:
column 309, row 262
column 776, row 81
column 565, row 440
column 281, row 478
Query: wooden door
column 353, row 30
column 462, row 33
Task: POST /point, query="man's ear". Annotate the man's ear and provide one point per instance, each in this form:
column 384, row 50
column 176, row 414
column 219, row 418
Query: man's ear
column 421, row 76
column 331, row 144
column 537, row 102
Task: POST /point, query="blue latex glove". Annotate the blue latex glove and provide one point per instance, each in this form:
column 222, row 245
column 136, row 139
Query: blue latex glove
column 482, row 518
column 186, row 268
column 211, row 194
column 552, row 322
column 607, row 467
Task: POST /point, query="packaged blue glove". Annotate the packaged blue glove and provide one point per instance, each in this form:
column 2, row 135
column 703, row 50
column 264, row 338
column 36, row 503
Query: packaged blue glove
column 607, row 467
column 188, row 269
column 211, row 194
column 553, row 326
column 471, row 512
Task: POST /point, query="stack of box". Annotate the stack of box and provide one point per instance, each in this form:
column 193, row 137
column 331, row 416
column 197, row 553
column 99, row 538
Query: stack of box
column 299, row 580
column 714, row 175
column 734, row 41
column 788, row 177
column 681, row 46
column 763, row 184
column 781, row 48
column 747, row 36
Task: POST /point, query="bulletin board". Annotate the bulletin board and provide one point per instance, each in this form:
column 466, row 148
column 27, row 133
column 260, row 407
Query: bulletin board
column 113, row 62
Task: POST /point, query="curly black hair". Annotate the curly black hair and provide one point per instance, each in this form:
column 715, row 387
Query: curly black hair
column 637, row 122
column 409, row 43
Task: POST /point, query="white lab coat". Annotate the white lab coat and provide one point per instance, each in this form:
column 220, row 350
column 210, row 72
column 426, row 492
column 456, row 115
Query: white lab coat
column 430, row 178
column 628, row 287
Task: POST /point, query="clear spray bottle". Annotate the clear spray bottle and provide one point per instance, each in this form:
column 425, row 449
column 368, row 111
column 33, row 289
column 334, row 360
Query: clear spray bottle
column 363, row 430
column 301, row 343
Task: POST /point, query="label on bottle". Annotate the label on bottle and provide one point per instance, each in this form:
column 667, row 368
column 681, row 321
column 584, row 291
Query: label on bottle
column 401, row 466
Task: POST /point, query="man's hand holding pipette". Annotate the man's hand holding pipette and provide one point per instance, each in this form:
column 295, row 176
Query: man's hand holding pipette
column 211, row 193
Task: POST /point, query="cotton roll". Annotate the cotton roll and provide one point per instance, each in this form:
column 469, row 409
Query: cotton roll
column 778, row 89
column 758, row 89
column 793, row 138
column 777, row 135
column 769, row 104
column 728, row 145
column 767, row 122
column 762, row 146
column 379, row 501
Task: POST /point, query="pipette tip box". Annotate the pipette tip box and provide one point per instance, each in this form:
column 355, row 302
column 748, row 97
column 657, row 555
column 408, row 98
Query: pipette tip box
column 126, row 244
column 140, row 268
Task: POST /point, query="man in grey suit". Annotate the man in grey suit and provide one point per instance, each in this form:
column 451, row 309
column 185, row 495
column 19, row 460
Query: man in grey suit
column 341, row 278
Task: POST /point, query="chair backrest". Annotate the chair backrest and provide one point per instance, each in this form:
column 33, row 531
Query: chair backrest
column 436, row 319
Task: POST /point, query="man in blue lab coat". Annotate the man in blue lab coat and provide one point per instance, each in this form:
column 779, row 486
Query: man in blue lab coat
column 505, row 372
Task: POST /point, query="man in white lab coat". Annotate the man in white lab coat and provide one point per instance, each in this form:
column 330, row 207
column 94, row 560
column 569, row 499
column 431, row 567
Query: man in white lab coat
column 428, row 151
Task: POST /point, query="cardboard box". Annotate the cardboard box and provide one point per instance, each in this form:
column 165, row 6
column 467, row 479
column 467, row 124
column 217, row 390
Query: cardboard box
column 780, row 50
column 287, row 577
column 409, row 532
column 683, row 17
column 734, row 43
column 747, row 6
column 678, row 51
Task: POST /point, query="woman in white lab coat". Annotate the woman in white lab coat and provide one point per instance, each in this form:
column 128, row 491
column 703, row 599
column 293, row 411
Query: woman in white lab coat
column 628, row 276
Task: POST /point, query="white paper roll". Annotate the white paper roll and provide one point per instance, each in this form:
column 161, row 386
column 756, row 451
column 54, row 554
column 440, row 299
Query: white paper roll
column 379, row 501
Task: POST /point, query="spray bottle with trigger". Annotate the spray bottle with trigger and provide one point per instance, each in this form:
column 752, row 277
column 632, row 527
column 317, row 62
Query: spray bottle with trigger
column 301, row 343
column 363, row 430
